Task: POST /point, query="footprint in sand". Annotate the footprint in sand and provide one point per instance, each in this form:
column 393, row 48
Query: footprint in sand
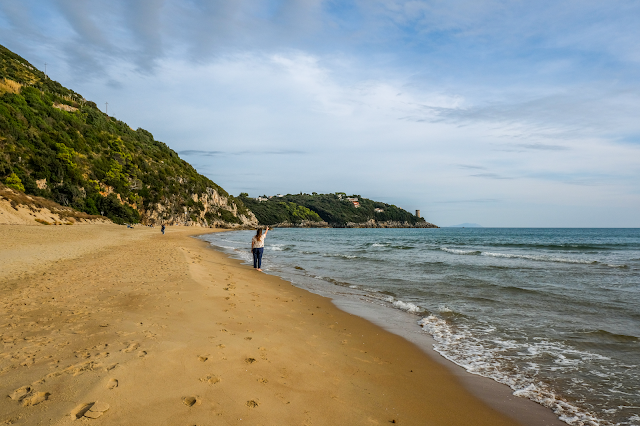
column 28, row 362
column 112, row 384
column 263, row 380
column 132, row 347
column 203, row 358
column 142, row 354
column 212, row 379
column 35, row 399
column 90, row 410
column 20, row 393
column 100, row 346
column 190, row 401
column 250, row 360
column 252, row 404
column 28, row 397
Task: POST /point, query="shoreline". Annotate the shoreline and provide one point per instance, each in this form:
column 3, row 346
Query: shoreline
column 401, row 323
column 140, row 328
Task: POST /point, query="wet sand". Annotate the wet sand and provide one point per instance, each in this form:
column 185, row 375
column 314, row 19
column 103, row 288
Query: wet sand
column 116, row 326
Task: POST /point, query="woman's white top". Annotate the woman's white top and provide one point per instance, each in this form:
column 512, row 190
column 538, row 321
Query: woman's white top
column 258, row 242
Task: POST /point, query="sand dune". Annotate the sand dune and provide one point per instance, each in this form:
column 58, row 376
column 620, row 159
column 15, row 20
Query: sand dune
column 18, row 208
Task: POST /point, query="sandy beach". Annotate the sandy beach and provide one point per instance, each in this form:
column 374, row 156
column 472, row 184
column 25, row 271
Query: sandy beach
column 108, row 325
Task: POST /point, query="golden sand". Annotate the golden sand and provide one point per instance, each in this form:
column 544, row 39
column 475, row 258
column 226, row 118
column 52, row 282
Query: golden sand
column 113, row 326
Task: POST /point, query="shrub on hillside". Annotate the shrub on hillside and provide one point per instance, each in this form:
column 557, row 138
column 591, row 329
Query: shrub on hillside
column 14, row 182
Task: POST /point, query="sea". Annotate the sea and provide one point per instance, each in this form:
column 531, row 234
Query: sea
column 552, row 313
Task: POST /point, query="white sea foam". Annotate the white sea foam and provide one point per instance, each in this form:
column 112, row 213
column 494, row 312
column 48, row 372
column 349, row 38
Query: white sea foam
column 341, row 256
column 407, row 306
column 538, row 258
column 461, row 346
column 461, row 252
column 379, row 245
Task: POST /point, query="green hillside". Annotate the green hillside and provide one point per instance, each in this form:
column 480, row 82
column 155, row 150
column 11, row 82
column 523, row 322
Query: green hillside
column 56, row 144
column 277, row 211
column 335, row 209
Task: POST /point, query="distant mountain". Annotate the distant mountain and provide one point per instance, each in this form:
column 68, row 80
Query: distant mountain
column 465, row 225
column 335, row 210
column 60, row 146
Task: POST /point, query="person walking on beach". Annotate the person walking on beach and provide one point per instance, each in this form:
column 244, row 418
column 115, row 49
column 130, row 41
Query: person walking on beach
column 257, row 247
column 162, row 229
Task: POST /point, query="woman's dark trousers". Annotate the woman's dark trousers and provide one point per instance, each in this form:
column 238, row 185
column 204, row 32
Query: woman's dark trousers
column 257, row 257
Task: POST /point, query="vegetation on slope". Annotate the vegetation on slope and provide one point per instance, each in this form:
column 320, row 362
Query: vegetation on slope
column 55, row 144
column 332, row 208
column 276, row 211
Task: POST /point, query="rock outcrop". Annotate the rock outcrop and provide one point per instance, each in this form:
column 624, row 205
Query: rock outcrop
column 389, row 224
column 369, row 224
column 209, row 209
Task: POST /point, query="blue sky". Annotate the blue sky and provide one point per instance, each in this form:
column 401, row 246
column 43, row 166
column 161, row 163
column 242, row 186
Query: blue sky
column 503, row 113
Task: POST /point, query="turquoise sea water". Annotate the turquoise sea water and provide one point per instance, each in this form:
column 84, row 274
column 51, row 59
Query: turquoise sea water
column 553, row 313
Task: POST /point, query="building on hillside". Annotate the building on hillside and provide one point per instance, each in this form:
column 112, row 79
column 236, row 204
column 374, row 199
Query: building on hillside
column 417, row 213
column 354, row 200
column 261, row 199
column 378, row 210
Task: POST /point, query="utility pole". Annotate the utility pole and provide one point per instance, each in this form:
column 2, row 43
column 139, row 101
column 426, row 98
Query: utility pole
column 106, row 108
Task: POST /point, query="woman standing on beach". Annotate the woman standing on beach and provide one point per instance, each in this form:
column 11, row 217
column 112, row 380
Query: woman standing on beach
column 257, row 247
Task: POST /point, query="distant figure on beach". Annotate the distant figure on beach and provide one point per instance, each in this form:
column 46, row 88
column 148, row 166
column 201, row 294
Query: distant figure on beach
column 257, row 247
column 162, row 229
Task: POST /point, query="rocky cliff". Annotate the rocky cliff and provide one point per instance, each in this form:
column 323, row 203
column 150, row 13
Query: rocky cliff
column 389, row 224
column 217, row 211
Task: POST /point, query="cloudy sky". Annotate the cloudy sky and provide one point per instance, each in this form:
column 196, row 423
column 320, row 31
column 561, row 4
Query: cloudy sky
column 503, row 113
